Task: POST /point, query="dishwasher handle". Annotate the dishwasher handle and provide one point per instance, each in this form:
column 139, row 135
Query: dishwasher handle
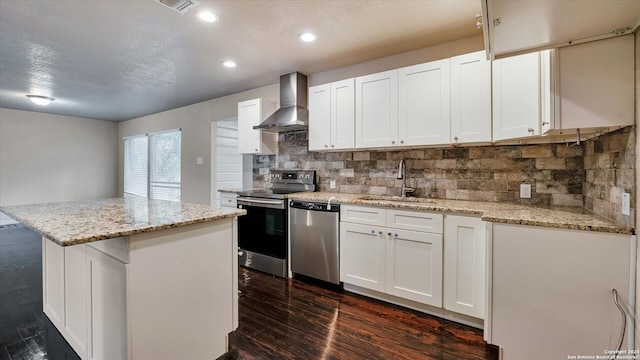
column 313, row 206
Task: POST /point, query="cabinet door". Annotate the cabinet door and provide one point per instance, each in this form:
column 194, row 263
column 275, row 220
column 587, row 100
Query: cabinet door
column 362, row 256
column 414, row 266
column 424, row 104
column 377, row 110
column 470, row 98
column 464, row 265
column 516, row 96
column 107, row 314
column 75, row 291
column 596, row 87
column 53, row 282
column 343, row 120
column 320, row 117
column 250, row 140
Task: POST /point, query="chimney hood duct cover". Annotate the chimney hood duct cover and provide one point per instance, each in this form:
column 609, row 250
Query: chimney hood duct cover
column 293, row 114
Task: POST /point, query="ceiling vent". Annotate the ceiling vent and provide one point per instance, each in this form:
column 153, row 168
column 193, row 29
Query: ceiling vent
column 181, row 6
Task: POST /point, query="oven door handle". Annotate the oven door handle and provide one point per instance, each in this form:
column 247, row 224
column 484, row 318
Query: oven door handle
column 256, row 201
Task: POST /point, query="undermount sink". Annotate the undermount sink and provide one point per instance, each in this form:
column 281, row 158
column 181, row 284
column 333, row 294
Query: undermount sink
column 380, row 198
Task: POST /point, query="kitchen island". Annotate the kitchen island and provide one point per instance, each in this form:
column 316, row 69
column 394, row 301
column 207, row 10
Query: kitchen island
column 136, row 278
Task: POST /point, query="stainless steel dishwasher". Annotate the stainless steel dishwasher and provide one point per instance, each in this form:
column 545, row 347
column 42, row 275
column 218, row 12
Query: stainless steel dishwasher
column 315, row 245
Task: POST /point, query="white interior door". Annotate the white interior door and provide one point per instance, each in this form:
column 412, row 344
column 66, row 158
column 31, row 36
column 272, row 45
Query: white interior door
column 226, row 167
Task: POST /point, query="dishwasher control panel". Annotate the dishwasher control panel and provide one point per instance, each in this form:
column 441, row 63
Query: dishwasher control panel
column 312, row 205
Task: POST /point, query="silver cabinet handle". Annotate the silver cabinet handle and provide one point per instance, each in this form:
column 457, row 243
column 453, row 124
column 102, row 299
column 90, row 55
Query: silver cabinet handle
column 455, row 138
column 545, row 123
column 393, row 142
column 530, row 130
column 401, row 141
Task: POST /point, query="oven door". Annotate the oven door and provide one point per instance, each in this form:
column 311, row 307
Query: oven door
column 264, row 229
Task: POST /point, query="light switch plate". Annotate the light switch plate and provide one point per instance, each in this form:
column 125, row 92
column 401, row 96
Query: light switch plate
column 626, row 204
column 525, row 191
column 199, row 160
column 332, row 184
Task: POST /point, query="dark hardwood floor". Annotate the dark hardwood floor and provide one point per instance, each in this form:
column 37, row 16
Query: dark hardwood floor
column 279, row 319
column 293, row 319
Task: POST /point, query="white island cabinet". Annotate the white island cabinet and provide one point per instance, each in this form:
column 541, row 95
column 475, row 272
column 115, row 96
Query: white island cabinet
column 162, row 285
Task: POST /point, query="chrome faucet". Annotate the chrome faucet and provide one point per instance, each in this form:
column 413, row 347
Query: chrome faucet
column 402, row 175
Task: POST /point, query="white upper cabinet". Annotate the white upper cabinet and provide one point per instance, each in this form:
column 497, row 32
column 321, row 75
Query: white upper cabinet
column 319, row 117
column 424, row 104
column 250, row 140
column 470, row 98
column 596, row 84
column 377, row 110
column 519, row 89
column 515, row 26
column 332, row 116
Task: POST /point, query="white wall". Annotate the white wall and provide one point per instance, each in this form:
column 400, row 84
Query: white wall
column 50, row 158
column 195, row 122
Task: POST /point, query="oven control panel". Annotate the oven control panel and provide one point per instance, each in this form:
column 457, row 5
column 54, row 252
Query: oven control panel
column 294, row 176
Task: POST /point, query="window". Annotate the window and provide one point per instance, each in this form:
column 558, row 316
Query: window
column 152, row 165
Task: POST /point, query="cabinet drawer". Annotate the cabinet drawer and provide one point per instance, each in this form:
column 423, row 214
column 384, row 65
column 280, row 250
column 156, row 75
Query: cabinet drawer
column 228, row 199
column 414, row 220
column 363, row 215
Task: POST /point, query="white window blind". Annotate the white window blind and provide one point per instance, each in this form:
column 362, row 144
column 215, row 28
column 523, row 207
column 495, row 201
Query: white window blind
column 136, row 165
column 152, row 165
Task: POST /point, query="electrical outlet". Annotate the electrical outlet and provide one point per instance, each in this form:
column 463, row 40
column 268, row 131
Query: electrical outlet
column 199, row 160
column 626, row 204
column 525, row 191
column 332, row 184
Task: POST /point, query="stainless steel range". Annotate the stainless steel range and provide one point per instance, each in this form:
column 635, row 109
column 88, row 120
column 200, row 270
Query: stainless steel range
column 262, row 233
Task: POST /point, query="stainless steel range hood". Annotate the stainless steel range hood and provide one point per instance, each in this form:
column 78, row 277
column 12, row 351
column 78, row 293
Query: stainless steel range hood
column 293, row 114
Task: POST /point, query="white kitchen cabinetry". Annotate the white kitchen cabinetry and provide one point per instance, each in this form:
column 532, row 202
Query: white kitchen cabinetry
column 464, row 265
column 250, row 140
column 377, row 110
column 521, row 94
column 390, row 251
column 228, row 199
column 596, row 85
column 106, row 297
column 53, row 282
column 106, row 284
column 424, row 104
column 470, row 98
column 554, row 287
column 332, row 116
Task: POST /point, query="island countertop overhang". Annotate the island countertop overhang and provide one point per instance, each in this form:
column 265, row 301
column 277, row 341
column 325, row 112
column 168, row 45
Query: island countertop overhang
column 79, row 222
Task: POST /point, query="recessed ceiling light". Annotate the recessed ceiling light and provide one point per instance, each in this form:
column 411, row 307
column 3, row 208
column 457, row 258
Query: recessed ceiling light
column 307, row 37
column 229, row 64
column 40, row 100
column 207, row 16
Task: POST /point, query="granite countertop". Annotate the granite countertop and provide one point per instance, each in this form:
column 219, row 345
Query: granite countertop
column 78, row 222
column 557, row 217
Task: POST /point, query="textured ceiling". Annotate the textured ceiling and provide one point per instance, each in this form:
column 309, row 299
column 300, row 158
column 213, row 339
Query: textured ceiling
column 122, row 59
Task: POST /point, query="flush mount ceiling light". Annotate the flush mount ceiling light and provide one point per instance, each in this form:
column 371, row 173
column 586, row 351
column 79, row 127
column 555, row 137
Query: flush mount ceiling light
column 207, row 16
column 307, row 37
column 40, row 100
column 229, row 63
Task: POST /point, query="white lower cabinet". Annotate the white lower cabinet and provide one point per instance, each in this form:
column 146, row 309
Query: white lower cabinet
column 464, row 265
column 426, row 261
column 392, row 257
column 414, row 266
column 362, row 256
column 107, row 295
column 554, row 287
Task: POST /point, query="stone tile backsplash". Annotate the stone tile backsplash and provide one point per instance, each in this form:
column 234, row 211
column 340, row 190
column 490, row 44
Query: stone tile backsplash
column 609, row 163
column 592, row 175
